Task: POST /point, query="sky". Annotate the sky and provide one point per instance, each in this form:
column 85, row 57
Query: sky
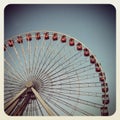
column 94, row 25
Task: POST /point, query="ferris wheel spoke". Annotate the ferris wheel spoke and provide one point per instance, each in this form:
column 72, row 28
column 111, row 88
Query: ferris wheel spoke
column 75, row 92
column 8, row 98
column 24, row 58
column 47, row 54
column 34, row 55
column 46, row 107
column 28, row 49
column 9, row 111
column 38, row 61
column 18, row 57
column 39, row 107
column 80, row 93
column 56, row 53
column 68, row 72
column 52, row 108
column 11, row 90
column 58, row 106
column 11, row 75
column 34, row 110
column 12, row 59
column 63, row 102
column 74, row 99
column 71, row 80
column 82, row 85
column 60, row 75
column 63, row 68
column 9, row 80
column 56, row 62
column 61, row 58
column 14, row 70
column 60, row 64
column 44, row 60
column 26, row 110
column 14, row 98
column 50, row 61
column 50, row 53
column 28, row 53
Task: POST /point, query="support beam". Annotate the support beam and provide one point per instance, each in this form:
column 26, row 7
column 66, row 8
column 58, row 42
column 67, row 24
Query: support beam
column 14, row 98
column 10, row 109
column 20, row 109
column 44, row 104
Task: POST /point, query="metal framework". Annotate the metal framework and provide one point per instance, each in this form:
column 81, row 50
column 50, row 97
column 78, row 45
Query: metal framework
column 50, row 73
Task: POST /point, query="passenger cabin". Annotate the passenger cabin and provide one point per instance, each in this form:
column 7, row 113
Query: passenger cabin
column 105, row 99
column 86, row 52
column 55, row 36
column 102, row 77
column 104, row 87
column 104, row 111
column 79, row 46
column 92, row 59
column 97, row 67
column 63, row 39
column 19, row 39
column 10, row 43
column 37, row 36
column 28, row 37
column 71, row 42
column 46, row 35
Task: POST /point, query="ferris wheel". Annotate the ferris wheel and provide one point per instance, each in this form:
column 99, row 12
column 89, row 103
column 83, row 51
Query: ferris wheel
column 51, row 73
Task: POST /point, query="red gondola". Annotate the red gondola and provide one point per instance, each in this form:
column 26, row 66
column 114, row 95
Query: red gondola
column 19, row 39
column 106, row 101
column 86, row 52
column 102, row 77
column 10, row 43
column 97, row 67
column 105, row 98
column 46, row 35
column 79, row 46
column 104, row 87
column 104, row 111
column 28, row 37
column 5, row 47
column 55, row 36
column 71, row 42
column 37, row 36
column 92, row 59
column 101, row 74
column 63, row 39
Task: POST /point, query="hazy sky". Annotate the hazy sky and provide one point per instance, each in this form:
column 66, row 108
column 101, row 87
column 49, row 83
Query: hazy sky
column 94, row 25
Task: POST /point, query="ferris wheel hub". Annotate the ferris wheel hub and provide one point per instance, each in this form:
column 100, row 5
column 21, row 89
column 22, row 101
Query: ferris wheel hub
column 29, row 84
